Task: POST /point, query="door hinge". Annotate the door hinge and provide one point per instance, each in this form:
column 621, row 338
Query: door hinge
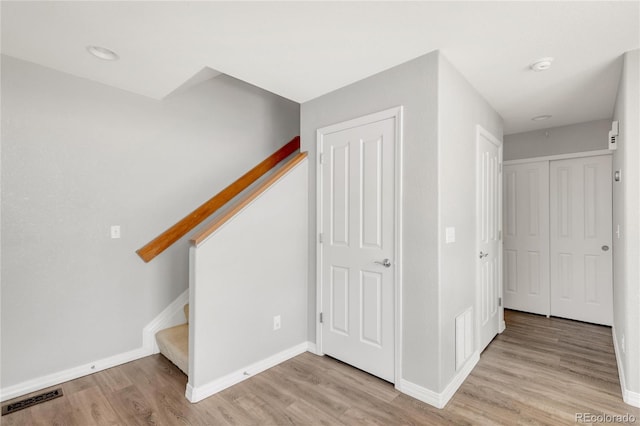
column 500, row 167
column 321, row 318
column 320, row 238
column 321, row 158
column 500, row 301
column 500, row 235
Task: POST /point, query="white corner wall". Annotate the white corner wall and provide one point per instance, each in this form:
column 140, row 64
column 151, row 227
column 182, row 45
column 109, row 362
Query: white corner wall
column 626, row 247
column 78, row 157
column 460, row 110
column 247, row 272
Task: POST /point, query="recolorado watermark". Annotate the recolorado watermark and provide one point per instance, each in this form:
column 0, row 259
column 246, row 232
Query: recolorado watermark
column 605, row 418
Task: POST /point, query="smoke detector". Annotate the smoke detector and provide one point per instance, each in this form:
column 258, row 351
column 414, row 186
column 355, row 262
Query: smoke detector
column 541, row 64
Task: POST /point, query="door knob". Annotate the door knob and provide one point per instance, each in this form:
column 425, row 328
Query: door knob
column 483, row 255
column 386, row 263
column 605, row 248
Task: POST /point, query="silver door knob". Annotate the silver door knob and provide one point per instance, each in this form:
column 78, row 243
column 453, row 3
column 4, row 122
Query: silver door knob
column 386, row 263
column 605, row 248
column 483, row 255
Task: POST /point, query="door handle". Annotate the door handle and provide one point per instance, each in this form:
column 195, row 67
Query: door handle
column 386, row 263
column 483, row 255
column 605, row 248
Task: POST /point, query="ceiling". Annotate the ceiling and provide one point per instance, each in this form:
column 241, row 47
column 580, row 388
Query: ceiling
column 302, row 50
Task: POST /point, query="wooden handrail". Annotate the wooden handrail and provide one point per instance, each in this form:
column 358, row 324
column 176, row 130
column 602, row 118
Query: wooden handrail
column 193, row 219
column 255, row 193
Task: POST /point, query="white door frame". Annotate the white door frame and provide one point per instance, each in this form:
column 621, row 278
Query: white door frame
column 482, row 132
column 396, row 114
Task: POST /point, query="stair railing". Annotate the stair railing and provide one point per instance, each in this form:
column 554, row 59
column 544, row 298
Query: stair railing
column 196, row 217
column 246, row 200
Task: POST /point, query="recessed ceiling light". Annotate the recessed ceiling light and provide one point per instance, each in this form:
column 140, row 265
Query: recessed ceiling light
column 541, row 64
column 103, row 53
column 541, row 117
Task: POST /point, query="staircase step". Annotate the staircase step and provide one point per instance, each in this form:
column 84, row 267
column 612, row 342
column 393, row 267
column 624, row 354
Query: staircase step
column 174, row 343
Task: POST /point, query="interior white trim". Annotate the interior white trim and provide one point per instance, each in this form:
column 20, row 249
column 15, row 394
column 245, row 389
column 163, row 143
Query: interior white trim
column 166, row 318
column 481, row 131
column 170, row 316
column 312, row 348
column 397, row 114
column 561, row 156
column 198, row 393
column 43, row 382
column 420, row 393
column 439, row 400
column 318, row 153
column 629, row 397
column 399, row 196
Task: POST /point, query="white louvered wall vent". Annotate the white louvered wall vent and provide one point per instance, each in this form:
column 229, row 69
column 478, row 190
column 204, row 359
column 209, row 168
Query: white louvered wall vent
column 464, row 337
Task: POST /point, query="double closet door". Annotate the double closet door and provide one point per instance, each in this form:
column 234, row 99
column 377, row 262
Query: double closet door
column 557, row 238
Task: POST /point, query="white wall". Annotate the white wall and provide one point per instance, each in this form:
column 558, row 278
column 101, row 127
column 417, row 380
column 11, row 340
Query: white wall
column 77, row 157
column 251, row 269
column 626, row 213
column 589, row 136
column 460, row 110
column 414, row 86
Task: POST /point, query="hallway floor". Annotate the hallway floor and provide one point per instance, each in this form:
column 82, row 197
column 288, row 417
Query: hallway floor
column 539, row 371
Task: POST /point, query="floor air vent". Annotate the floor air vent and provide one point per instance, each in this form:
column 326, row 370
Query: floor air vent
column 31, row 401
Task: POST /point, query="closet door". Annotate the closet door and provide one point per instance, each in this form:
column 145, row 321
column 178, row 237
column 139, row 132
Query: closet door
column 580, row 241
column 526, row 237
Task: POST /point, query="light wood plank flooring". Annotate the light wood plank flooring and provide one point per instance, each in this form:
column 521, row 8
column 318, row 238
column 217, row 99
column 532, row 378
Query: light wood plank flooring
column 539, row 371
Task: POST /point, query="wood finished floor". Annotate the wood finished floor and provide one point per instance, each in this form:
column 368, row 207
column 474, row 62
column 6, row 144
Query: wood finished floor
column 539, row 371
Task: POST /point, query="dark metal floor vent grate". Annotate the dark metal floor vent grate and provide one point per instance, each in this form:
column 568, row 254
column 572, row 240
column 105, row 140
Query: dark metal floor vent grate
column 31, row 401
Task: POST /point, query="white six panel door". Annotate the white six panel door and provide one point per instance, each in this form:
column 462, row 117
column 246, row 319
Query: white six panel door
column 358, row 231
column 488, row 228
column 526, row 237
column 581, row 261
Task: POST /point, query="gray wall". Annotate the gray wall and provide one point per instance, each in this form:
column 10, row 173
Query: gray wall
column 413, row 85
column 460, row 110
column 251, row 269
column 626, row 213
column 77, row 157
column 589, row 136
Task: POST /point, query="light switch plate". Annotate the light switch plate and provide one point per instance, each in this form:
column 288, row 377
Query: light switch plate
column 450, row 234
column 276, row 322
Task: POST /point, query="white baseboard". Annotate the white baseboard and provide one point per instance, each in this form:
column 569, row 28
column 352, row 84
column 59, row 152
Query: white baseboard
column 629, row 397
column 167, row 318
column 420, row 393
column 170, row 316
column 439, row 400
column 459, row 378
column 196, row 394
column 502, row 327
column 311, row 347
column 43, row 382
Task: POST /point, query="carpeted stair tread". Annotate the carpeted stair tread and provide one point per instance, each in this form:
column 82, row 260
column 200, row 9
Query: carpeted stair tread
column 174, row 343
